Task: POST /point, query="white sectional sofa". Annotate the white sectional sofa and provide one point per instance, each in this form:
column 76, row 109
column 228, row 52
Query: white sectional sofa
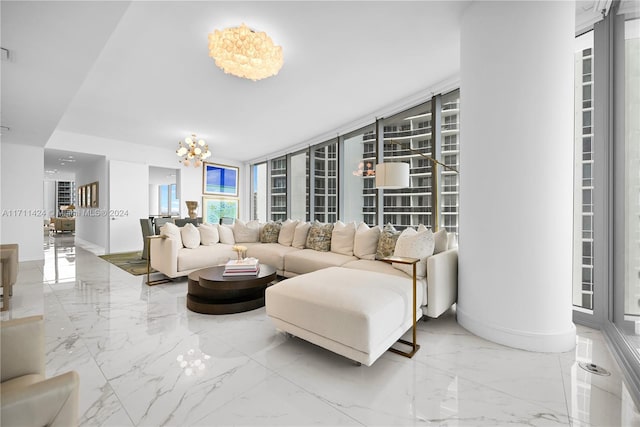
column 291, row 258
column 338, row 294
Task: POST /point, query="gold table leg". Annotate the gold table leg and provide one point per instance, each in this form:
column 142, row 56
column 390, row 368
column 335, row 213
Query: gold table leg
column 414, row 345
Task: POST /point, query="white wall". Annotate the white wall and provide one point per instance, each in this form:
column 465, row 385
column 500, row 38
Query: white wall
column 21, row 199
column 92, row 223
column 516, row 174
column 49, row 196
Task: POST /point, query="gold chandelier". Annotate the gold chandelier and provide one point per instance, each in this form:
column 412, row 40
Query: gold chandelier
column 193, row 149
column 245, row 53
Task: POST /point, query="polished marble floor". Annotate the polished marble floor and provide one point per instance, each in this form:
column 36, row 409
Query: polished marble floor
column 145, row 360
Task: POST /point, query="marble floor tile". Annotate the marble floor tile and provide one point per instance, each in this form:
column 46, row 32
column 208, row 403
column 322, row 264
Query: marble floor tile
column 145, row 360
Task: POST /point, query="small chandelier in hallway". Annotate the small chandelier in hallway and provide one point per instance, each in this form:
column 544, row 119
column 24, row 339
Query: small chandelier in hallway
column 193, row 150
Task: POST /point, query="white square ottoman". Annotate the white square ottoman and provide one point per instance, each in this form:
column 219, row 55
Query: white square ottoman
column 357, row 314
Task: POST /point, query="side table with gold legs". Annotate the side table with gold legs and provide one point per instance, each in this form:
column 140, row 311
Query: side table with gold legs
column 414, row 345
column 159, row 281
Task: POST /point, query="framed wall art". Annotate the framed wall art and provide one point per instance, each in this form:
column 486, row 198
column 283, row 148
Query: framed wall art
column 214, row 208
column 94, row 194
column 219, row 180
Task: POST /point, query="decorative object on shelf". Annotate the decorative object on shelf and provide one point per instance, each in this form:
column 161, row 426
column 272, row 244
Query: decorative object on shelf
column 241, row 251
column 221, row 180
column 245, row 53
column 364, row 169
column 192, row 205
column 193, row 150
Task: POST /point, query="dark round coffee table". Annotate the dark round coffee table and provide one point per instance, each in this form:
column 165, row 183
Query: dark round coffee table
column 210, row 292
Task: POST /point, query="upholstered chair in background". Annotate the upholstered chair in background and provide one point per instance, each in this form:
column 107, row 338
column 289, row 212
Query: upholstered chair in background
column 147, row 230
column 26, row 397
column 8, row 271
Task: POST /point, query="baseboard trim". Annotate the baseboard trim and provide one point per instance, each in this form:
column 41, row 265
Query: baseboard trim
column 552, row 342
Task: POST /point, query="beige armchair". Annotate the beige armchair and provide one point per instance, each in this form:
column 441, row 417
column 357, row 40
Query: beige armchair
column 27, row 398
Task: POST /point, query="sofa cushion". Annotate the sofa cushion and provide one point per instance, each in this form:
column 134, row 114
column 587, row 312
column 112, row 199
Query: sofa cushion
column 361, row 315
column 226, row 234
column 246, row 232
column 342, row 237
column 269, row 232
column 387, row 241
column 319, row 237
column 171, row 231
column 308, row 260
column 300, row 235
column 270, row 253
column 287, row 231
column 204, row 256
column 387, row 268
column 414, row 244
column 208, row 234
column 365, row 242
column 190, row 236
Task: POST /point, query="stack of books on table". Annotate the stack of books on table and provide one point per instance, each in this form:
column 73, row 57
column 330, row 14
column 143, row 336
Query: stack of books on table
column 244, row 267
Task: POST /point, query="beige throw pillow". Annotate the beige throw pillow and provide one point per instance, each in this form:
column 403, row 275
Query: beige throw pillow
column 365, row 242
column 440, row 238
column 226, row 234
column 414, row 244
column 208, row 234
column 287, row 231
column 171, row 231
column 300, row 235
column 246, row 232
column 190, row 236
column 342, row 238
column 452, row 240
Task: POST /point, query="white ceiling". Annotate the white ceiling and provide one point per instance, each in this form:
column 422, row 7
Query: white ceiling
column 140, row 72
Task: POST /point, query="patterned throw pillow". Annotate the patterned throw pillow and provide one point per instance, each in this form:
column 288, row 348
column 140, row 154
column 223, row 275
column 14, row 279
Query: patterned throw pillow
column 270, row 232
column 387, row 241
column 319, row 237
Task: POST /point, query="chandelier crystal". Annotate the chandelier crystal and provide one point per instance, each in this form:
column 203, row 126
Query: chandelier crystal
column 245, row 53
column 193, row 150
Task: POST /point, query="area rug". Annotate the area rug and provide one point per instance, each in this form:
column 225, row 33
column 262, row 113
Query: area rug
column 131, row 262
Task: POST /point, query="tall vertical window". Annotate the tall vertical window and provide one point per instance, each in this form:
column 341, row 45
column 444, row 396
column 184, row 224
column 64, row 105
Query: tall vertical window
column 259, row 192
column 168, row 200
column 583, row 182
column 449, row 155
column 412, row 129
column 278, row 189
column 632, row 172
column 325, row 179
column 358, row 177
column 299, row 175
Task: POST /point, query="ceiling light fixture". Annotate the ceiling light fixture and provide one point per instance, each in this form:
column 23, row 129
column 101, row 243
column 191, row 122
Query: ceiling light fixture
column 245, row 53
column 193, row 149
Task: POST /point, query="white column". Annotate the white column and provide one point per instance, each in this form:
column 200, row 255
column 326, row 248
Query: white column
column 516, row 181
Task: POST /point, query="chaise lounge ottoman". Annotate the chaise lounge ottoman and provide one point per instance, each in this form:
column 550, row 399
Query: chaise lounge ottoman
column 357, row 314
